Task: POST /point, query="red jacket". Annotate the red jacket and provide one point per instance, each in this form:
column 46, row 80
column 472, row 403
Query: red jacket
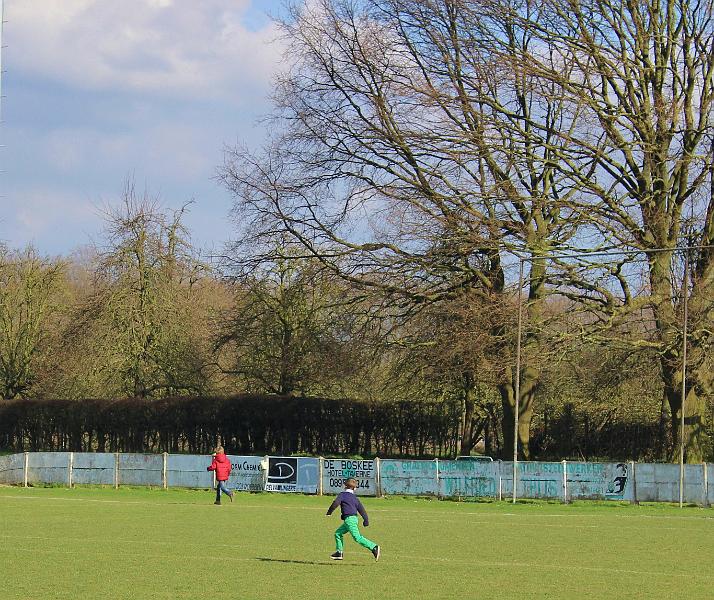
column 222, row 466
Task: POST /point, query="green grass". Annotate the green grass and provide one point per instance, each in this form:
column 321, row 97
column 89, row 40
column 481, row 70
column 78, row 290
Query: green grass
column 153, row 544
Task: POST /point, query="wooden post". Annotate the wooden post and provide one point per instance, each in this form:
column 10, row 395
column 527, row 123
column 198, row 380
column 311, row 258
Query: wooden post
column 25, row 467
column 164, row 476
column 116, row 470
column 633, row 475
column 438, row 479
column 70, row 469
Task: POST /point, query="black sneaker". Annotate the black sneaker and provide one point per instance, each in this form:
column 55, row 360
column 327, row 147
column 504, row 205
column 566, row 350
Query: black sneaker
column 376, row 552
column 336, row 556
column 231, row 496
column 217, row 502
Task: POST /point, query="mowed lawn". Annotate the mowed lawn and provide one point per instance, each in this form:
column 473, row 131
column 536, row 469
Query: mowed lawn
column 155, row 544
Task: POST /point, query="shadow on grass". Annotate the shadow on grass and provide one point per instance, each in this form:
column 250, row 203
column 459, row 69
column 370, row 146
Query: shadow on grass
column 301, row 562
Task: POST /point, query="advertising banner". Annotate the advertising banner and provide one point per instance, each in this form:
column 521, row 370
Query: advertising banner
column 336, row 470
column 409, row 477
column 477, row 479
column 292, row 474
column 598, row 480
column 247, row 474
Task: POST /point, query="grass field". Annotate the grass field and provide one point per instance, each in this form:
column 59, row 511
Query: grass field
column 154, row 544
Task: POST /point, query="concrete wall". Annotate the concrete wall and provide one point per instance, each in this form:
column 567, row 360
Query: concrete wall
column 565, row 481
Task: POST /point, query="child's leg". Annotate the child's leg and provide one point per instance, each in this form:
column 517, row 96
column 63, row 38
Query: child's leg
column 339, row 536
column 351, row 523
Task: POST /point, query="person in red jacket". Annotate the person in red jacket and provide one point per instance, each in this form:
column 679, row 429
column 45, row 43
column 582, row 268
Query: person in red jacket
column 222, row 466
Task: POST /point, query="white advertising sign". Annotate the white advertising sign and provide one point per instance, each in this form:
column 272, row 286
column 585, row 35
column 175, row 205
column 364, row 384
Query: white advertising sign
column 336, row 470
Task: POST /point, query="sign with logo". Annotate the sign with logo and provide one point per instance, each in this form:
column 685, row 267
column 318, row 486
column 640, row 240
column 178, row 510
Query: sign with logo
column 292, row 474
column 282, row 474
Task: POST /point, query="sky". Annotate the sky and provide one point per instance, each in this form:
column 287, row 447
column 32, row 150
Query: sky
column 98, row 92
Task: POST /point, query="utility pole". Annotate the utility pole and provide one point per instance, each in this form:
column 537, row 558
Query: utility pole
column 2, row 25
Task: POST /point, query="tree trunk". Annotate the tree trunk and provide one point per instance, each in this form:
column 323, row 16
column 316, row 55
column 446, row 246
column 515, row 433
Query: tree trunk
column 529, row 380
column 699, row 376
column 696, row 440
column 530, row 375
column 472, row 424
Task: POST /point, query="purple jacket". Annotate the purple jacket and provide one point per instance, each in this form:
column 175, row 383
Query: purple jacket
column 349, row 506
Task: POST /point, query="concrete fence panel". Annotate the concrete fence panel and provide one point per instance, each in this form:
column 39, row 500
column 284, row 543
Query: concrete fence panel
column 12, row 469
column 599, row 481
column 657, row 482
column 49, row 467
column 93, row 468
column 141, row 469
column 460, row 478
column 409, row 477
column 189, row 471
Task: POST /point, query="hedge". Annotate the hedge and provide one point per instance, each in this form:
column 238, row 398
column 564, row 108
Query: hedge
column 246, row 424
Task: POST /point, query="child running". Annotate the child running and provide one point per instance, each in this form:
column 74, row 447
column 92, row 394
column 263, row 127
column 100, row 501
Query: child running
column 350, row 505
column 222, row 466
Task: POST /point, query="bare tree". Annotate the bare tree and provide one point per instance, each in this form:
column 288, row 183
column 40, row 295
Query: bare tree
column 413, row 155
column 285, row 323
column 29, row 286
column 643, row 75
column 147, row 289
column 449, row 350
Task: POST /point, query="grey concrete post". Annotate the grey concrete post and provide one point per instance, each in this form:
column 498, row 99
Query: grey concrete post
column 25, row 467
column 705, row 503
column 378, row 468
column 565, row 481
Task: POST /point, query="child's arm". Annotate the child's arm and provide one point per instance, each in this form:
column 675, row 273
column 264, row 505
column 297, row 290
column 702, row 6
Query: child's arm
column 213, row 465
column 333, row 506
column 363, row 512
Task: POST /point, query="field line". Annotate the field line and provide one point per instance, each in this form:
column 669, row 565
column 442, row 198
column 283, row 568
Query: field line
column 372, row 509
column 400, row 557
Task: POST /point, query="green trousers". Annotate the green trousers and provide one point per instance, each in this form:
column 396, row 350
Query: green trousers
column 350, row 526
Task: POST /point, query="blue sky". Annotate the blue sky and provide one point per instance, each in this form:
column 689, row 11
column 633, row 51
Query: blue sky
column 96, row 92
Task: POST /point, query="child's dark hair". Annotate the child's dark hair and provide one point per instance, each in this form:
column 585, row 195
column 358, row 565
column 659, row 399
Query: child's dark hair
column 351, row 482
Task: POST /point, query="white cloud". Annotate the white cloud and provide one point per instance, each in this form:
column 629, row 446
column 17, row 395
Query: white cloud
column 195, row 48
column 71, row 149
column 173, row 150
column 150, row 89
column 32, row 216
